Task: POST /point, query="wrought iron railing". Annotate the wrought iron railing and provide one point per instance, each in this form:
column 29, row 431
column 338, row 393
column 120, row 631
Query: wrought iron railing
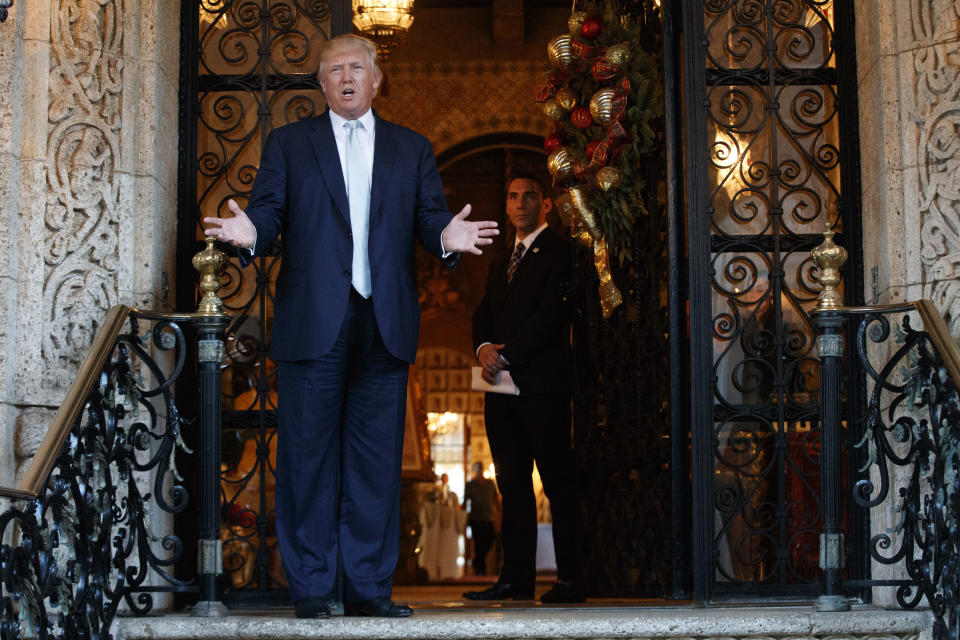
column 79, row 532
column 909, row 435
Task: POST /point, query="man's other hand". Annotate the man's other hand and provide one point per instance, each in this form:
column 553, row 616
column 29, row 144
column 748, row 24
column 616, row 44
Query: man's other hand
column 238, row 230
column 491, row 361
column 461, row 236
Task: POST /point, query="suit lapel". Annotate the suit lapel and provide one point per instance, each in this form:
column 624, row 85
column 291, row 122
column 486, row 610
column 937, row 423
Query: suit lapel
column 384, row 156
column 325, row 149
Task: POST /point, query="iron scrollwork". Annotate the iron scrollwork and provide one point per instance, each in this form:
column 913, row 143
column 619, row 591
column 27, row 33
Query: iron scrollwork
column 86, row 544
column 912, row 438
column 4, row 8
column 771, row 154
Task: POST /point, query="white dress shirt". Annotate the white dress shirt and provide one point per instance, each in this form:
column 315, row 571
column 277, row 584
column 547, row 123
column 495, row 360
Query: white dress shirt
column 366, row 135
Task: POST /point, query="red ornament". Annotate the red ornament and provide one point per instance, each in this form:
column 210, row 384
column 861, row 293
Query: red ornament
column 592, row 148
column 581, row 118
column 591, row 27
column 552, row 142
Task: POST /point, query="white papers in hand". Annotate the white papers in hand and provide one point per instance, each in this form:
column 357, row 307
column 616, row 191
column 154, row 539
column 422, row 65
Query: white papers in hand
column 504, row 384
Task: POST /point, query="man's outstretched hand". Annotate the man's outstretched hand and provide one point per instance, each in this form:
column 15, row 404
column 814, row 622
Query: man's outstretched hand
column 238, row 230
column 461, row 236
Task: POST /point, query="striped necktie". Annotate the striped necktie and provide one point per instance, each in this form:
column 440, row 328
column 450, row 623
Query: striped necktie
column 358, row 195
column 514, row 261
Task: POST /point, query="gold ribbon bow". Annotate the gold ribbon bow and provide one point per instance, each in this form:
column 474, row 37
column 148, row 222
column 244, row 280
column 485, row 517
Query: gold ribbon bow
column 573, row 210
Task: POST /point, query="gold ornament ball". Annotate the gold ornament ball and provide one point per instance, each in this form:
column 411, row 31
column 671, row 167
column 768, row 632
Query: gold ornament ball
column 567, row 99
column 609, row 178
column 560, row 164
column 618, row 54
column 553, row 110
column 576, row 19
column 601, row 106
column 560, row 51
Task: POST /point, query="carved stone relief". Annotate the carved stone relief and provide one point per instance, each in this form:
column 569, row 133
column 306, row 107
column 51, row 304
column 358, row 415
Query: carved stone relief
column 937, row 71
column 81, row 233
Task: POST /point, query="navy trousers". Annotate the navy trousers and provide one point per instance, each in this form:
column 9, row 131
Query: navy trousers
column 339, row 449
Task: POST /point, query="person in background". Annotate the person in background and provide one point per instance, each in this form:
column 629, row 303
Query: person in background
column 482, row 503
column 522, row 325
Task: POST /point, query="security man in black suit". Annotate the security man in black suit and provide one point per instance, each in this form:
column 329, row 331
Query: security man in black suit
column 523, row 326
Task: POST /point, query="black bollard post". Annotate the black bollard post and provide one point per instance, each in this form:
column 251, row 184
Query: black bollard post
column 832, row 557
column 211, row 322
column 210, row 559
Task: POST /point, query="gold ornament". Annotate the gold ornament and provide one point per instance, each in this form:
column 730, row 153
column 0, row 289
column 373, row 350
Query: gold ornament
column 829, row 257
column 567, row 99
column 560, row 51
column 601, row 106
column 210, row 263
column 576, row 19
column 553, row 110
column 618, row 54
column 576, row 214
column 609, row 178
column 560, row 163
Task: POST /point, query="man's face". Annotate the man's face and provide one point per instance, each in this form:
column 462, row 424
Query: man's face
column 526, row 207
column 349, row 82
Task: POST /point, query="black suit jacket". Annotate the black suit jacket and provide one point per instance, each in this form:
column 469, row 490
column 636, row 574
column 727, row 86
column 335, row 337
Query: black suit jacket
column 531, row 315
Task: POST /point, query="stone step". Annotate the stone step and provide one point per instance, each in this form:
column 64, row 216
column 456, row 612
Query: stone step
column 542, row 623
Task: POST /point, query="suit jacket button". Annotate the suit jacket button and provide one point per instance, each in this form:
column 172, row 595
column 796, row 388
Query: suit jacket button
column 346, row 272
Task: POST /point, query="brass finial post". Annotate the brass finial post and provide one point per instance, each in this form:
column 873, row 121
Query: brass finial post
column 210, row 263
column 829, row 257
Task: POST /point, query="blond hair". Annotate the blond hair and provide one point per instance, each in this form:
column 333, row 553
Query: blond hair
column 348, row 42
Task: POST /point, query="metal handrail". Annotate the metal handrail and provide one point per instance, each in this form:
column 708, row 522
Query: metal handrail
column 45, row 459
column 933, row 322
column 32, row 482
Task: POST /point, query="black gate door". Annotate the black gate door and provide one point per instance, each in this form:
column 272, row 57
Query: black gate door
column 247, row 67
column 771, row 158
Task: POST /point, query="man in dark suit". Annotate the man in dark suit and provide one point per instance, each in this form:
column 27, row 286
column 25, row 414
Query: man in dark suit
column 348, row 193
column 523, row 326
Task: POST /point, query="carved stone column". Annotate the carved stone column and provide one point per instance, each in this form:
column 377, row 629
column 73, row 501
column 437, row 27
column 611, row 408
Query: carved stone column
column 88, row 134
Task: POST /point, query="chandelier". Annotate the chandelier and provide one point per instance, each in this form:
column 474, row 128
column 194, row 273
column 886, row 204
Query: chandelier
column 385, row 22
column 6, row 4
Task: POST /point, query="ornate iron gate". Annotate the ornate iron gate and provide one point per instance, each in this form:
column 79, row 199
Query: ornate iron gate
column 771, row 158
column 247, row 67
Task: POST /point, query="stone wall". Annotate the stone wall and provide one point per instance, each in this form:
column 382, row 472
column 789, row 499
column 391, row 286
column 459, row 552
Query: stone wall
column 908, row 57
column 88, row 160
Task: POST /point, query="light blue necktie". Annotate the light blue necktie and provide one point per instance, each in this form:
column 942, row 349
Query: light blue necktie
column 358, row 194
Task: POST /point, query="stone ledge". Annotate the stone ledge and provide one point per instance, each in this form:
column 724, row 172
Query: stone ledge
column 539, row 623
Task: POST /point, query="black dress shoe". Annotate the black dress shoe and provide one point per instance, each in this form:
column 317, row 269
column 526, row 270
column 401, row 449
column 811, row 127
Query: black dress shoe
column 311, row 608
column 501, row 590
column 563, row 593
column 379, row 607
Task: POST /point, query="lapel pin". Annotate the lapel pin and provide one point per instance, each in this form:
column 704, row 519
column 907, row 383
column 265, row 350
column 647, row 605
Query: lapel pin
column 536, row 249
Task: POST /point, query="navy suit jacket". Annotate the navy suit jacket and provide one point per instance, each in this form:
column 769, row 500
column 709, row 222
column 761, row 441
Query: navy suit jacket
column 299, row 193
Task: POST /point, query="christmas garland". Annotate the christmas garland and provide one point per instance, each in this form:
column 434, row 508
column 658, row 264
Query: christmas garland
column 603, row 96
